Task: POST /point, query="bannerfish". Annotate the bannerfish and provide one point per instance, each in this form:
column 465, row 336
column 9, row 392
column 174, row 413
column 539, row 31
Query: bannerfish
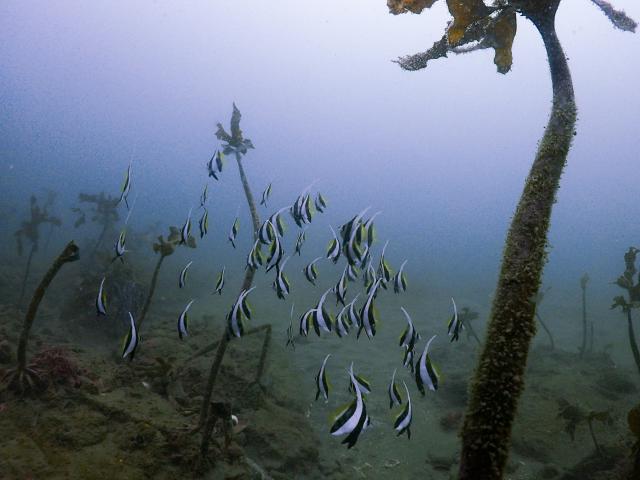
column 311, row 271
column 182, row 280
column 403, row 420
column 400, row 280
column 352, row 419
column 322, row 385
column 394, row 394
column 426, row 373
column 101, row 299
column 265, row 195
column 220, row 282
column 183, row 320
column 455, row 325
column 126, row 187
column 131, row 340
column 233, row 233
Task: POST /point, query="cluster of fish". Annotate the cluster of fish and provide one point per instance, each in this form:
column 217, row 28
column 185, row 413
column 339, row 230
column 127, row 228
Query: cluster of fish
column 131, row 341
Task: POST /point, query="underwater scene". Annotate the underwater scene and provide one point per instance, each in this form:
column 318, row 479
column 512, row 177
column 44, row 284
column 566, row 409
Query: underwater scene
column 319, row 240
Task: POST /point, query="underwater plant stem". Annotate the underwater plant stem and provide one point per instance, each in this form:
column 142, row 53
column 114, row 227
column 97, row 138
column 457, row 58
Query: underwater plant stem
column 583, row 349
column 69, row 254
column 499, row 377
column 152, row 289
column 546, row 329
column 632, row 340
column 26, row 274
column 224, row 341
column 100, row 239
column 593, row 436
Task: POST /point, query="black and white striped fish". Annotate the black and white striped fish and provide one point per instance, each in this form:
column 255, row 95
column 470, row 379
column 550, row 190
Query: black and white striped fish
column 353, row 419
column 182, row 280
column 305, row 321
column 254, row 257
column 369, row 229
column 322, row 385
column 333, row 250
column 238, row 313
column 211, row 167
column 277, row 221
column 183, row 321
column 369, row 313
column 203, row 223
column 233, row 233
column 400, row 280
column 185, row 231
column 101, row 300
column 455, row 325
column 403, row 420
column 407, row 360
column 321, row 203
column 131, row 340
column 220, row 159
column 320, row 318
column 120, row 247
column 266, row 232
column 352, row 273
column 353, row 314
column 342, row 322
column 384, row 270
column 394, row 394
column 351, row 238
column 370, row 277
column 340, row 288
column 426, row 373
column 362, row 383
column 126, row 187
column 276, row 252
column 265, row 195
column 300, row 241
column 281, row 283
column 409, row 335
column 220, row 282
column 311, row 271
column 204, row 196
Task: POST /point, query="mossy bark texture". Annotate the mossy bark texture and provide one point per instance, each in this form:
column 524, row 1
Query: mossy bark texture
column 499, row 378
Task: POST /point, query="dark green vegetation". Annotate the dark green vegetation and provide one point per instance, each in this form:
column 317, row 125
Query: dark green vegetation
column 632, row 301
column 499, row 378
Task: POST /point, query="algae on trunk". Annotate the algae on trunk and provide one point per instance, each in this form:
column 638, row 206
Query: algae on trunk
column 499, row 378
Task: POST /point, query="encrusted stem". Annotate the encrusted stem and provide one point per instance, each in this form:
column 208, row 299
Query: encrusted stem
column 499, row 377
column 69, row 254
column 632, row 339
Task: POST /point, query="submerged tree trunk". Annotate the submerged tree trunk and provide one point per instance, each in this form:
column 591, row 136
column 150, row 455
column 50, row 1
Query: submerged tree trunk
column 632, row 339
column 152, row 289
column 26, row 274
column 246, row 284
column 499, row 377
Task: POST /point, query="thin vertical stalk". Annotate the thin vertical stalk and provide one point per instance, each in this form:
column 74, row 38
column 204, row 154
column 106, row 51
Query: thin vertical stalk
column 26, row 274
column 632, row 339
column 152, row 289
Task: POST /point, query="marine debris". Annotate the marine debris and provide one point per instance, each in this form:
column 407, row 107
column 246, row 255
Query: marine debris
column 26, row 378
column 30, row 230
column 632, row 301
column 499, row 378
